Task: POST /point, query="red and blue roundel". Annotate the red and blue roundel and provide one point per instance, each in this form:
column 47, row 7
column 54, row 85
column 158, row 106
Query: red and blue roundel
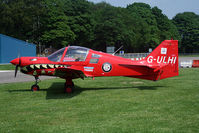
column 106, row 67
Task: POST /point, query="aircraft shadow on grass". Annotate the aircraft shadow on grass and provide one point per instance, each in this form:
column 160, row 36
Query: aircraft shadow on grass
column 56, row 90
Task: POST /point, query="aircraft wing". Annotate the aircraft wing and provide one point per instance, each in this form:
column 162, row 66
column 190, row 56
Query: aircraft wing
column 69, row 73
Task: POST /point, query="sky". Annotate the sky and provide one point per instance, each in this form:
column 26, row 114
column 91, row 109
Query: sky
column 168, row 7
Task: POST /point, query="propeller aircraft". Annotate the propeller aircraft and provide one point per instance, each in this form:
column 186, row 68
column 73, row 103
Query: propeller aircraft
column 79, row 62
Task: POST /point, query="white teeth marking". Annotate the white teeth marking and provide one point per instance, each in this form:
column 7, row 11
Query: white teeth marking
column 51, row 66
column 56, row 66
column 44, row 65
column 37, row 66
column 32, row 66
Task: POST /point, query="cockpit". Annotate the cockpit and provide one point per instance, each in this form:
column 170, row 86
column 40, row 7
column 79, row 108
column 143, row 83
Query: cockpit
column 73, row 53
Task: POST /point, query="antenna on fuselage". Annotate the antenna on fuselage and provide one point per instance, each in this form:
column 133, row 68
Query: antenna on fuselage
column 117, row 50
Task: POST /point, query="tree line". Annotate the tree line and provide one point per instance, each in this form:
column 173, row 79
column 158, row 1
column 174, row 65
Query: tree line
column 60, row 23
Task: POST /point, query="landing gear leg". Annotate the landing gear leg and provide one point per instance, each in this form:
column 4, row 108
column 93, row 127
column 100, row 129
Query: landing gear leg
column 69, row 86
column 35, row 87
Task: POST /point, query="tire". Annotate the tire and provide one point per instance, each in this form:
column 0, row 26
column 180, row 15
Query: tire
column 35, row 88
column 69, row 89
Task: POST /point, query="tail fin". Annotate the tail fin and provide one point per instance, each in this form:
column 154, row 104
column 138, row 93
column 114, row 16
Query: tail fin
column 164, row 59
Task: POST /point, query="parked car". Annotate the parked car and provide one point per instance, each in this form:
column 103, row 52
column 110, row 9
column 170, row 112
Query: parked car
column 186, row 64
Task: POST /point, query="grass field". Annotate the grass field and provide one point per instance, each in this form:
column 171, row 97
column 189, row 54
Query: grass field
column 7, row 67
column 105, row 105
column 191, row 55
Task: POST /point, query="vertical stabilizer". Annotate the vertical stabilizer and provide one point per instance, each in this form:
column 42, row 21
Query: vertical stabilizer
column 164, row 59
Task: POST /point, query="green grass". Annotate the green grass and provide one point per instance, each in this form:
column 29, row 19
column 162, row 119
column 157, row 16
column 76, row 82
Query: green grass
column 7, row 67
column 105, row 105
column 193, row 55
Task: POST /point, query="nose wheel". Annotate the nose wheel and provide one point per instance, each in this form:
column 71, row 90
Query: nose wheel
column 69, row 86
column 35, row 87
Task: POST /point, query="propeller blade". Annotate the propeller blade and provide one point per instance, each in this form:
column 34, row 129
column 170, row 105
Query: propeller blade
column 20, row 61
column 18, row 65
column 16, row 69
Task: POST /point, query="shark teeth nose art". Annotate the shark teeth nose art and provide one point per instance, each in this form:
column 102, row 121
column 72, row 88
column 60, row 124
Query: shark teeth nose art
column 50, row 66
column 44, row 66
column 37, row 66
column 56, row 66
column 41, row 66
column 32, row 66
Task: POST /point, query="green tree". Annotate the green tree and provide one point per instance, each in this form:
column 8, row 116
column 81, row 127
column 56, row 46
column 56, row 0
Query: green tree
column 188, row 27
column 112, row 27
column 147, row 29
column 153, row 27
column 81, row 21
column 167, row 30
column 56, row 31
column 21, row 18
column 59, row 23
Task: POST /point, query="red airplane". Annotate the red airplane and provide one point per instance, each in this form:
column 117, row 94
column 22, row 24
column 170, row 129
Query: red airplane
column 78, row 62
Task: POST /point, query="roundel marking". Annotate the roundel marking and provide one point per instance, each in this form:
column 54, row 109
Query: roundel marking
column 106, row 67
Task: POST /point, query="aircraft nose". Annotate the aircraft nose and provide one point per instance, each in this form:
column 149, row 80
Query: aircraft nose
column 15, row 61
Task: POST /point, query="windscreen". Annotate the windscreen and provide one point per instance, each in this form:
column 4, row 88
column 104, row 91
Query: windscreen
column 75, row 53
column 56, row 57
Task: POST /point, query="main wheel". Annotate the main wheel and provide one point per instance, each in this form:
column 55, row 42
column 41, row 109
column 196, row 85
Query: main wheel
column 35, row 88
column 69, row 89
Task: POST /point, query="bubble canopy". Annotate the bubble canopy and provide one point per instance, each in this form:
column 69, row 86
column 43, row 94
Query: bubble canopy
column 73, row 53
